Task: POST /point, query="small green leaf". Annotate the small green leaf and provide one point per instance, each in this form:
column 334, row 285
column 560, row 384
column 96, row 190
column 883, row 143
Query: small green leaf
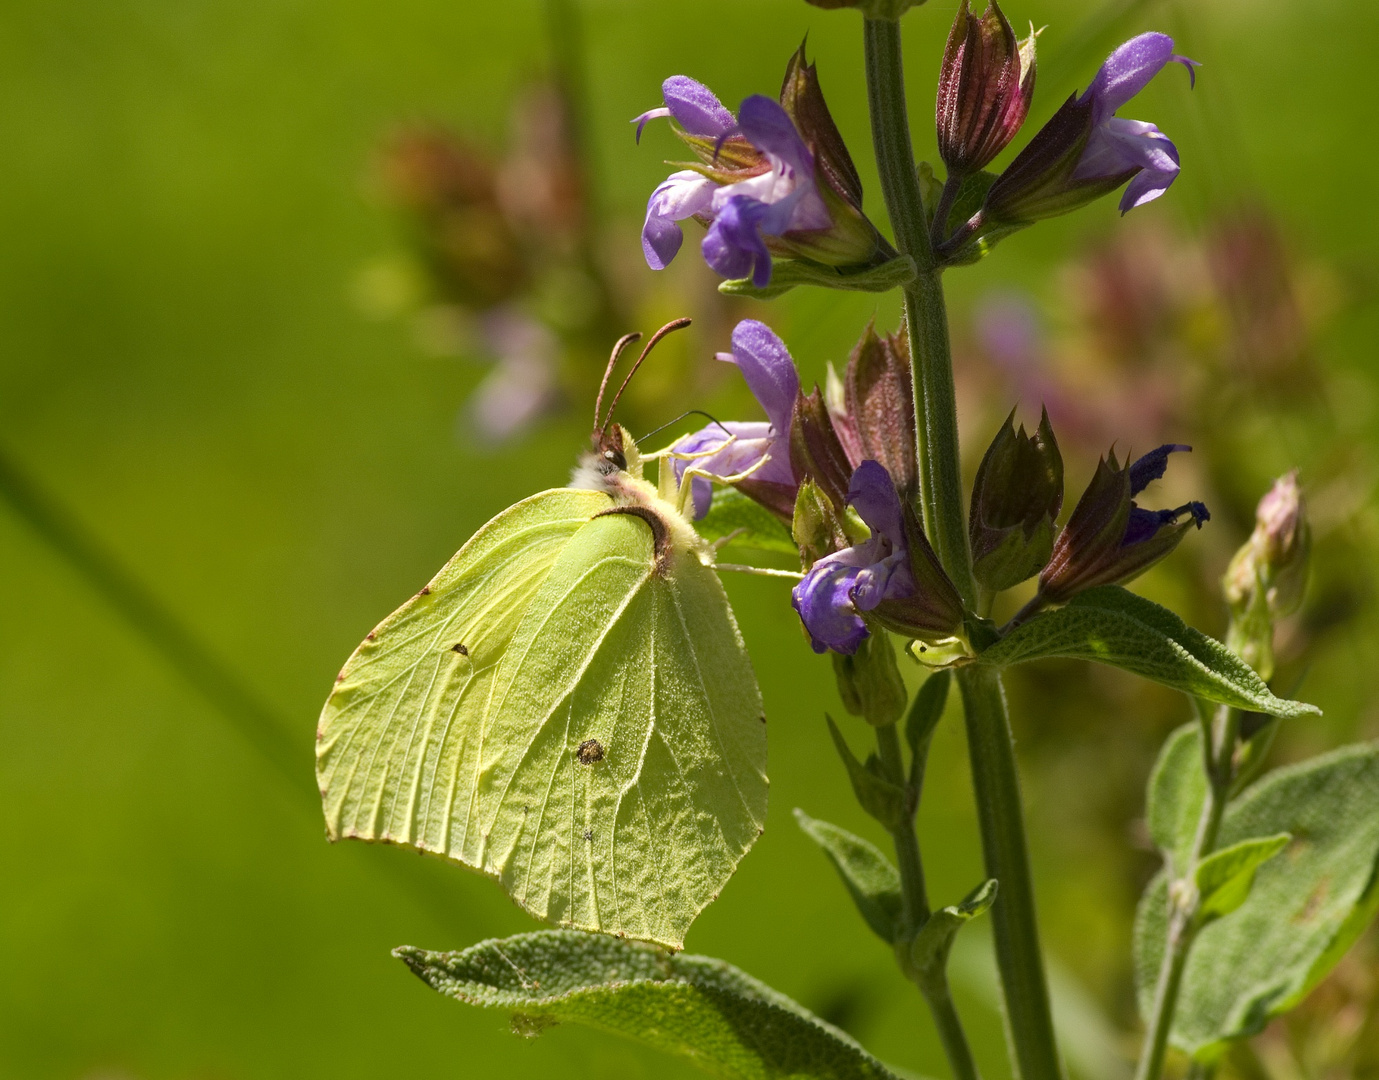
column 1305, row 910
column 1177, row 792
column 756, row 527
column 927, row 710
column 878, row 796
column 869, row 876
column 1115, row 627
column 726, row 1022
column 1224, row 877
column 930, row 948
column 788, row 273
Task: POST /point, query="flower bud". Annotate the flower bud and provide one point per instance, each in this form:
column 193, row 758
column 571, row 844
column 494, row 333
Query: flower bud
column 1266, row 579
column 818, row 528
column 869, row 681
column 881, row 407
column 1110, row 539
column 985, row 87
column 1015, row 501
column 815, row 451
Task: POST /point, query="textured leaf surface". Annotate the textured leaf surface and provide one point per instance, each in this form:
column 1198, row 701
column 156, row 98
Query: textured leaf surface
column 1177, row 792
column 1112, row 626
column 732, row 512
column 1224, row 877
column 726, row 1022
column 597, row 743
column 871, row 879
column 1308, row 904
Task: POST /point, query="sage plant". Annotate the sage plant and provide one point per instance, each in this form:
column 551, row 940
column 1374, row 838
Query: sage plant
column 568, row 706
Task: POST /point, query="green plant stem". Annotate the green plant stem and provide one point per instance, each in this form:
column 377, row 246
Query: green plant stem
column 1219, row 739
column 914, row 894
column 916, row 910
column 996, row 785
column 936, row 428
column 950, row 1032
column 926, row 316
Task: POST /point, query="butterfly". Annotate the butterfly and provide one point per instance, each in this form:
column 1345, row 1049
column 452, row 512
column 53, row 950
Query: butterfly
column 567, row 706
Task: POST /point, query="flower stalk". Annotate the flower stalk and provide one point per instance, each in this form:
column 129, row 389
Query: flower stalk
column 993, row 761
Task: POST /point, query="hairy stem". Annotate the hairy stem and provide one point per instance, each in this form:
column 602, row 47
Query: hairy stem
column 1218, row 740
column 936, row 427
column 997, row 788
column 926, row 317
column 913, row 892
column 915, row 907
column 950, row 1032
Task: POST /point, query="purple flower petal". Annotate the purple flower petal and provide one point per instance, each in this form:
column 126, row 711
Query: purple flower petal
column 650, row 114
column 1152, row 466
column 680, row 196
column 733, row 246
column 1127, row 71
column 824, row 605
column 873, row 494
column 768, row 369
column 768, row 127
column 695, row 107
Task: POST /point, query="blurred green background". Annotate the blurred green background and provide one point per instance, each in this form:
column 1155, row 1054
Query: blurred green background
column 191, row 364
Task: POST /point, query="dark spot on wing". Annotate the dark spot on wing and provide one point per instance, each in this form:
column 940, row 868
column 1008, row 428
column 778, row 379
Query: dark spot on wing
column 589, row 751
column 589, row 835
column 425, row 591
column 371, row 635
column 460, row 648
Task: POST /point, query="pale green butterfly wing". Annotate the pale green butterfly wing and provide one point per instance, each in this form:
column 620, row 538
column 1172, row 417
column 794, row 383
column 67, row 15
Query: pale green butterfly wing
column 645, row 659
column 575, row 631
column 397, row 746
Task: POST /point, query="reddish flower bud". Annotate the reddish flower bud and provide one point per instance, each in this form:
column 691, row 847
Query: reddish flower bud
column 815, row 451
column 881, row 407
column 985, row 87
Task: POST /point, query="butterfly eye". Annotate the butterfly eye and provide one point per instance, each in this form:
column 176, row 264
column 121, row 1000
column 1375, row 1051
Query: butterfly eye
column 616, row 458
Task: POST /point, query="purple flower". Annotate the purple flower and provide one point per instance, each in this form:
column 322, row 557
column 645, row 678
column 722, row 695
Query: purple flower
column 841, row 585
column 774, row 180
column 1085, row 151
column 881, row 576
column 1118, row 146
column 763, row 447
column 1110, row 539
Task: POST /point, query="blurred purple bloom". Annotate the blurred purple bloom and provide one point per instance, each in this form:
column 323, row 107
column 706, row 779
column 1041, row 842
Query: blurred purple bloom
column 858, row 578
column 1118, row 146
column 770, row 373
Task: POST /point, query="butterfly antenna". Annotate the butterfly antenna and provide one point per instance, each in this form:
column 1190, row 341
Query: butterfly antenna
column 669, row 328
column 687, row 412
column 623, row 343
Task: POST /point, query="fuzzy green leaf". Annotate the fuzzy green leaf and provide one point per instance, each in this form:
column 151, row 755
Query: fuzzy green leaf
column 927, row 710
column 786, row 274
column 1112, row 626
column 756, row 527
column 878, row 796
column 871, row 880
column 1306, row 908
column 1177, row 792
column 930, row 948
column 726, row 1022
column 1224, row 877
